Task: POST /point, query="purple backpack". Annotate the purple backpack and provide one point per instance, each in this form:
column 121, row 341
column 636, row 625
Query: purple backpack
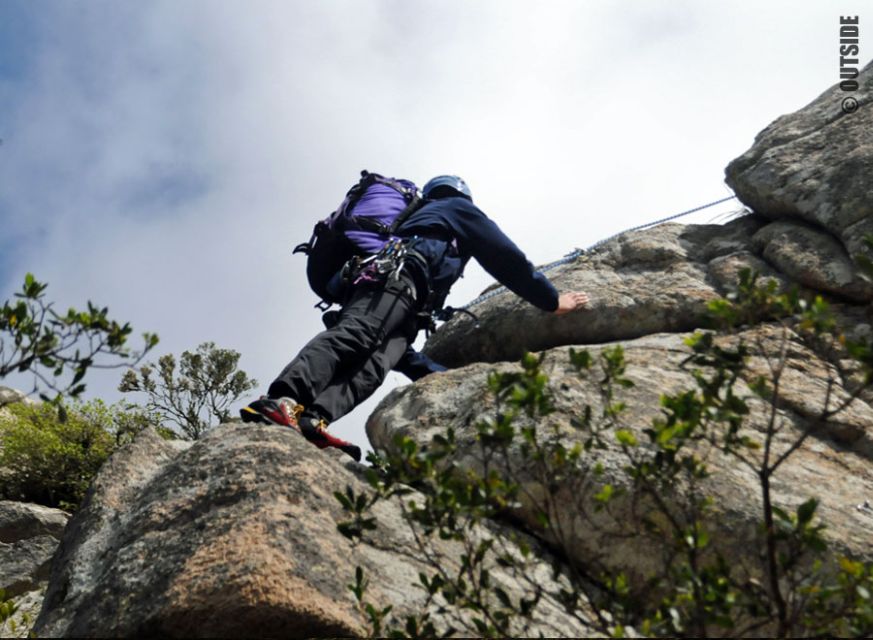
column 365, row 221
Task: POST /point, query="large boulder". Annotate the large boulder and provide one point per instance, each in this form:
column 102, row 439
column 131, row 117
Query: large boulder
column 236, row 536
column 835, row 463
column 640, row 283
column 29, row 535
column 8, row 396
column 812, row 257
column 815, row 166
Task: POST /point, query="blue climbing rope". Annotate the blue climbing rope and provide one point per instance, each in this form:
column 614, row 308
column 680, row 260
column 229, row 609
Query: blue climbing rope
column 576, row 253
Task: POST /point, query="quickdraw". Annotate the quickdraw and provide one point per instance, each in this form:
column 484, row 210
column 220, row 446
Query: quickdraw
column 380, row 267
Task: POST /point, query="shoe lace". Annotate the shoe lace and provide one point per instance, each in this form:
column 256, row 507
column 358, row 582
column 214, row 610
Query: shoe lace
column 292, row 409
column 319, row 424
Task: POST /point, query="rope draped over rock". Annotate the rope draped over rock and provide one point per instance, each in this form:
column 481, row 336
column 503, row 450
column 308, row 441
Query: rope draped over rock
column 576, row 253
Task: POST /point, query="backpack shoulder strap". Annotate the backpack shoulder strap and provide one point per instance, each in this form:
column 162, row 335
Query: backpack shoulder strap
column 411, row 208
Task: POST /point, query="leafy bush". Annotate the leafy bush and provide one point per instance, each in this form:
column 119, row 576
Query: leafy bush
column 49, row 460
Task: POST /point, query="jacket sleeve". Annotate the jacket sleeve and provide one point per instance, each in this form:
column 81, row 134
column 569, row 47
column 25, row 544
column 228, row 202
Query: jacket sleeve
column 482, row 238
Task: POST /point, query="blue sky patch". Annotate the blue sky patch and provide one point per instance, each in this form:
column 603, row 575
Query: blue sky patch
column 163, row 192
column 19, row 39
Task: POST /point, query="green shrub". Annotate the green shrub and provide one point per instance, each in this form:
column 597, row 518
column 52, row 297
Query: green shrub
column 51, row 458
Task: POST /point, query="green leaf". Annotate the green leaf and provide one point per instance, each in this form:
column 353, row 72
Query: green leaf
column 781, row 514
column 806, row 511
column 503, row 597
column 580, row 360
column 851, row 567
column 626, row 438
column 343, row 500
column 605, row 494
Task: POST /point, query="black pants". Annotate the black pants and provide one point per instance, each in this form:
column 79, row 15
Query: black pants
column 342, row 366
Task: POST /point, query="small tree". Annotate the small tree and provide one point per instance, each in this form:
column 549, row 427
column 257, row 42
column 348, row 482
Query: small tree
column 208, row 383
column 36, row 338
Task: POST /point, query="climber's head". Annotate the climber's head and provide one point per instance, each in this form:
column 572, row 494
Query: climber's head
column 446, row 187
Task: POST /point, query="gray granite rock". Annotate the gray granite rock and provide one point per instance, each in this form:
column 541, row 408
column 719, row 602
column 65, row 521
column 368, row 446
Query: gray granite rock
column 29, row 535
column 835, row 464
column 813, row 258
column 236, row 536
column 8, row 396
column 20, row 624
column 644, row 282
column 816, row 166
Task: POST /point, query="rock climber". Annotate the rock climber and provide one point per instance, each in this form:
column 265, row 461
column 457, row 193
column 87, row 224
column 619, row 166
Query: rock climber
column 344, row 364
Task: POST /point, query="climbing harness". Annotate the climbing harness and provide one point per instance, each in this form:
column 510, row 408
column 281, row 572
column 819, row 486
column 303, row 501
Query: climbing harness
column 380, row 267
column 576, row 253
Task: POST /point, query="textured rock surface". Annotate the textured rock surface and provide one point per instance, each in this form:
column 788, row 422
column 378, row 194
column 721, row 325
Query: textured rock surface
column 835, row 464
column 640, row 283
column 813, row 258
column 20, row 520
column 27, row 609
column 8, row 396
column 234, row 536
column 815, row 165
column 29, row 535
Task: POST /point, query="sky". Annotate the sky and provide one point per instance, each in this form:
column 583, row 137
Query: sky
column 162, row 158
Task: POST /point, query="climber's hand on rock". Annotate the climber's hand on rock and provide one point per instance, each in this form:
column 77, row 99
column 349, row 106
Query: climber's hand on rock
column 571, row 301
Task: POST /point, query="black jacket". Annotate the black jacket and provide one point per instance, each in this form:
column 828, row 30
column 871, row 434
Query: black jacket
column 453, row 230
